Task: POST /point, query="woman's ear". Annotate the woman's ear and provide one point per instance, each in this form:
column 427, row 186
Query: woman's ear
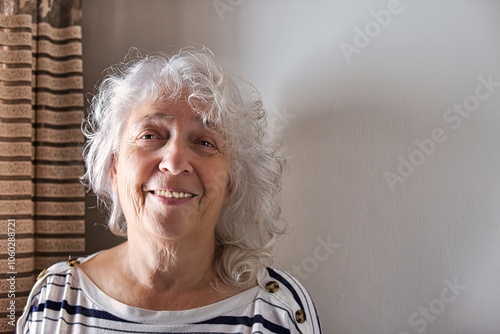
column 112, row 172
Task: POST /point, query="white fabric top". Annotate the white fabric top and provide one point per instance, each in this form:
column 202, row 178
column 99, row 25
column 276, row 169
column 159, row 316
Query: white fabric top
column 66, row 301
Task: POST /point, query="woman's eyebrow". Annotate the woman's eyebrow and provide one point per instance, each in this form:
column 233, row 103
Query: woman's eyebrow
column 154, row 118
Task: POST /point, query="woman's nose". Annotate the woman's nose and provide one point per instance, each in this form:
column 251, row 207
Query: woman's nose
column 175, row 157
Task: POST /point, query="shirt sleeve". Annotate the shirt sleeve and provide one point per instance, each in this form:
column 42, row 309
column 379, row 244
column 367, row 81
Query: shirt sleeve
column 26, row 324
column 303, row 317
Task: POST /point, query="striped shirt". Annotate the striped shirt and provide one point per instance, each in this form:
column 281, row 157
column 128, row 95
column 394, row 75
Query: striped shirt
column 66, row 301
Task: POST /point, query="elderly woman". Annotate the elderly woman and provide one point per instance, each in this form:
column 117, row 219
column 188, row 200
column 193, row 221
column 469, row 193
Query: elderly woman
column 191, row 178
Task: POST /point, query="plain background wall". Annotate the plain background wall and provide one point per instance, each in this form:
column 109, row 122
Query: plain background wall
column 419, row 255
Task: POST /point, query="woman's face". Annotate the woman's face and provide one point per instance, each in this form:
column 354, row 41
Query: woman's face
column 171, row 173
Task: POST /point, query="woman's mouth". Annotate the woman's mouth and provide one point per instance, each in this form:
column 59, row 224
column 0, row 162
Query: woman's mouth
column 173, row 194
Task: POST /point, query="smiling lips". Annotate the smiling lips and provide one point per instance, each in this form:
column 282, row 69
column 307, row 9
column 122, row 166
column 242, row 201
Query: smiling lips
column 173, row 194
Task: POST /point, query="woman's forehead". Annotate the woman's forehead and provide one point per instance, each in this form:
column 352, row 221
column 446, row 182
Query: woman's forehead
column 167, row 112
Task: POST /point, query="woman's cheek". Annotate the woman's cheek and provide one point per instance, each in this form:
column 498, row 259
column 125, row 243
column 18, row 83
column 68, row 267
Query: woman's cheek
column 217, row 185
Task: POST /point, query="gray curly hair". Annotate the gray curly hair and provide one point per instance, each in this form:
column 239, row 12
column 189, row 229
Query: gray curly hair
column 250, row 223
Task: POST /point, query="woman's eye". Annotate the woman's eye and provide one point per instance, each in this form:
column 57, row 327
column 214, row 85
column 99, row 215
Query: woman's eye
column 206, row 143
column 149, row 136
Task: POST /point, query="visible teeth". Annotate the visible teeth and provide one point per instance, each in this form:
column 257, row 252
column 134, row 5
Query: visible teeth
column 172, row 194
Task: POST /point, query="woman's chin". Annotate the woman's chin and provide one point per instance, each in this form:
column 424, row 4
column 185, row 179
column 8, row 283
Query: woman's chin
column 164, row 232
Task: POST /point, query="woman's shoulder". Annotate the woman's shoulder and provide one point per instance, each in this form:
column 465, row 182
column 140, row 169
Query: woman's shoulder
column 286, row 292
column 62, row 270
column 55, row 286
column 60, row 278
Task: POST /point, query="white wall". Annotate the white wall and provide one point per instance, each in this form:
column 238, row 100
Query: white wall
column 394, row 250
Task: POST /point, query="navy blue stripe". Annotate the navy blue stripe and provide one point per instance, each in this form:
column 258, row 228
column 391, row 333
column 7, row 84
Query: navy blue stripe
column 292, row 320
column 317, row 317
column 61, row 286
column 283, row 281
column 59, row 275
column 105, row 328
column 72, row 310
column 123, row 330
column 247, row 321
column 56, row 284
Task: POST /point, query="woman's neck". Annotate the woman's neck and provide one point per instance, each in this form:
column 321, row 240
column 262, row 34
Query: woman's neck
column 176, row 267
